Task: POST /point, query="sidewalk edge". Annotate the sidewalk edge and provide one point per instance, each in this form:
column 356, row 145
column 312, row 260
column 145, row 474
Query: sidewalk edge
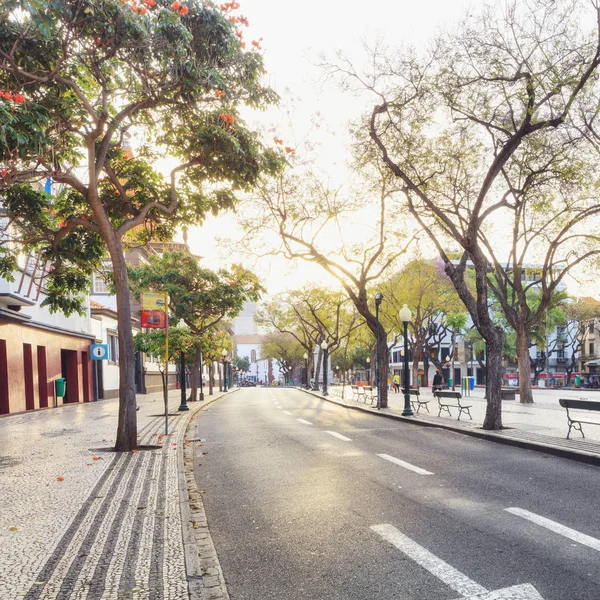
column 492, row 436
column 205, row 577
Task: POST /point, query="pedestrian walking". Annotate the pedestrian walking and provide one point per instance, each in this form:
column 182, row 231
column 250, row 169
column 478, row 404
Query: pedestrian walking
column 438, row 381
column 396, row 383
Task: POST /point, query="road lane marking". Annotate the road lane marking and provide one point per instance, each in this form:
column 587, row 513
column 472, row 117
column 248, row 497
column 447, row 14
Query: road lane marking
column 339, row 436
column 287, row 412
column 452, row 577
column 278, row 407
column 404, row 464
column 303, row 421
column 567, row 532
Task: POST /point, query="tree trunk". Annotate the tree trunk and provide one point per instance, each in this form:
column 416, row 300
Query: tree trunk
column 493, row 413
column 127, row 423
column 425, row 379
column 384, row 355
column 524, row 366
column 315, row 386
column 211, row 378
column 195, row 378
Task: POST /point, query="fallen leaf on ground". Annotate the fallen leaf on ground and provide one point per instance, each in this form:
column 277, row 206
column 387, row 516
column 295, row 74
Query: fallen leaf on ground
column 60, row 479
column 13, row 529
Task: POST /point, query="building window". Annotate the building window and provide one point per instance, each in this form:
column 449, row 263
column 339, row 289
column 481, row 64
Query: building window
column 445, row 352
column 253, row 356
column 99, row 285
column 113, row 347
column 591, row 349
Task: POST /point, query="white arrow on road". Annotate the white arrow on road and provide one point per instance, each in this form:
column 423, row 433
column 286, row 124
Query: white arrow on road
column 467, row 588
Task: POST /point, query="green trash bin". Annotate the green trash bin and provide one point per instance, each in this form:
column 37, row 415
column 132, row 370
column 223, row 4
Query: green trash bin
column 577, row 380
column 61, row 386
column 449, row 381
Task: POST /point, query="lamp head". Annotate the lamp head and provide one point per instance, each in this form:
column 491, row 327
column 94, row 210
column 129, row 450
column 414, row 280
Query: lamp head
column 368, row 359
column 305, row 356
column 405, row 314
column 224, row 353
column 324, row 345
column 448, row 358
column 378, row 298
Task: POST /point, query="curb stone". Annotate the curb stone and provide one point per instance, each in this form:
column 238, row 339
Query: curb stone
column 500, row 437
column 205, row 577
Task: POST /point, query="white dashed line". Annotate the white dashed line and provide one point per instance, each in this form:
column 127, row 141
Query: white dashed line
column 278, row 407
column 288, row 413
column 567, row 532
column 339, row 436
column 406, row 465
column 304, row 422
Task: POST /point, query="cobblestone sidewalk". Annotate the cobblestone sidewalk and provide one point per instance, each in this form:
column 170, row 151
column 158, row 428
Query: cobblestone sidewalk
column 79, row 521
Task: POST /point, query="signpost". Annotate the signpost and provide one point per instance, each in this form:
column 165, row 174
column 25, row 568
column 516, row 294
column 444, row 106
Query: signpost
column 154, row 315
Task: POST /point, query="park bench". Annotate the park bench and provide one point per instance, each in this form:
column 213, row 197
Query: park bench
column 508, row 393
column 415, row 400
column 575, row 422
column 370, row 393
column 358, row 392
column 449, row 399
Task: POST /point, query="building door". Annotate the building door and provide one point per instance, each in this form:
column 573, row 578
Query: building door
column 42, row 376
column 4, row 403
column 28, row 377
column 85, row 372
column 98, row 381
column 68, row 360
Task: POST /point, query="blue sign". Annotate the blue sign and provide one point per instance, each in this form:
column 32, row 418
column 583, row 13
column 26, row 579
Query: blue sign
column 99, row 351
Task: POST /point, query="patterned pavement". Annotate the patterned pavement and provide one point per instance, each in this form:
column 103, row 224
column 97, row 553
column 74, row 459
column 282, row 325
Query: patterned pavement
column 79, row 521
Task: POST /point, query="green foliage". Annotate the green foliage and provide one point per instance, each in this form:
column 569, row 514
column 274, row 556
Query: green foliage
column 93, row 74
column 153, row 343
column 202, row 298
column 242, row 363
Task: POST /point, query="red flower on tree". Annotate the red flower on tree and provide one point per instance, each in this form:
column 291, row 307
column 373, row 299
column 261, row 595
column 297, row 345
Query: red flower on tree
column 229, row 119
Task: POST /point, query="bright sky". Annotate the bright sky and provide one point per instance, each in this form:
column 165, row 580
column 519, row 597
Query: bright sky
column 294, row 36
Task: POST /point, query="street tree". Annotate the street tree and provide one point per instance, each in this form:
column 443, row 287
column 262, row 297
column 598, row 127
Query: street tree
column 286, row 350
column 312, row 222
column 429, row 293
column 581, row 315
column 312, row 315
column 154, row 343
column 81, row 77
column 200, row 297
column 491, row 136
column 242, row 363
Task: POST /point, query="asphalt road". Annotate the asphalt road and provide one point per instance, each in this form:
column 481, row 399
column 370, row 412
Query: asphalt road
column 296, row 512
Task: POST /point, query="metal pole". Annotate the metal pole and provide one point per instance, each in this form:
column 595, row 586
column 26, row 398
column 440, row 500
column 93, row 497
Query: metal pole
column 183, row 405
column 325, row 372
column 377, row 386
column 201, row 380
column 224, row 375
column 407, row 412
column 166, row 364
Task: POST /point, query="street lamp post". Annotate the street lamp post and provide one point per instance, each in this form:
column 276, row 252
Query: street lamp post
column 306, row 370
column 378, row 299
column 224, row 353
column 405, row 316
column 324, row 348
column 183, row 405
column 368, row 369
